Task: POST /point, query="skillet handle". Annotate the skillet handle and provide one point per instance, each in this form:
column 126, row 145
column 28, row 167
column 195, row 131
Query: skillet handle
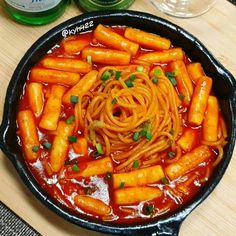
column 169, row 227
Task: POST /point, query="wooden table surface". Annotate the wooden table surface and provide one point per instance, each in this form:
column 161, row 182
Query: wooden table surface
column 215, row 216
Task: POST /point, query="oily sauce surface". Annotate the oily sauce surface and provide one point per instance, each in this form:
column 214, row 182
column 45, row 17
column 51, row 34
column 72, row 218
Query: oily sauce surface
column 58, row 186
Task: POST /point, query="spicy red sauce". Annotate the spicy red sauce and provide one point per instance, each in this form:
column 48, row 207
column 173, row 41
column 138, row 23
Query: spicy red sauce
column 63, row 189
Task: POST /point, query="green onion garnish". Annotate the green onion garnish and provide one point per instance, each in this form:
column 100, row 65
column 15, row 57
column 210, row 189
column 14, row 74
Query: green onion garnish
column 173, row 81
column 148, row 136
column 108, row 176
column 106, row 75
column 35, row 148
column 132, row 77
column 72, row 139
column 136, row 164
column 46, row 145
column 140, row 69
column 170, row 73
column 170, row 154
column 118, row 74
column 74, row 99
column 155, row 80
column 181, row 96
column 122, row 185
column 129, row 83
column 136, row 136
column 148, row 209
column 164, row 180
column 143, row 133
column 99, row 148
column 75, row 168
column 89, row 59
column 157, row 72
column 146, row 131
column 114, row 101
column 70, row 119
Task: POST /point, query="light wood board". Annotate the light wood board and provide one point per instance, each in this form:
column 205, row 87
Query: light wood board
column 216, row 215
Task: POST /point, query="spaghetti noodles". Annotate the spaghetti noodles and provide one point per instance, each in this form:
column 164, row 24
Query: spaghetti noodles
column 124, row 111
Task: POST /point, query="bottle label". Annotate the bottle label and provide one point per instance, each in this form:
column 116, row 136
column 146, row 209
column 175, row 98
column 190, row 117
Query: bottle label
column 33, row 5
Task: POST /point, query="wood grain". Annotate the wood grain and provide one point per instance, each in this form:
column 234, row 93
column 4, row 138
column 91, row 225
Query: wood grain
column 216, row 215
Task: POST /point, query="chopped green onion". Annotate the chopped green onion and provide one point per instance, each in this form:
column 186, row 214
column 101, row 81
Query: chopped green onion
column 136, row 136
column 75, row 168
column 157, row 72
column 106, row 75
column 136, row 164
column 170, row 73
column 146, row 131
column 148, row 209
column 129, row 83
column 122, row 185
column 173, row 81
column 148, row 127
column 74, row 99
column 89, row 59
column 143, row 133
column 108, row 176
column 164, row 180
column 140, row 69
column 88, row 190
column 70, row 119
column 148, row 136
column 114, row 101
column 172, row 131
column 155, row 80
column 35, row 148
column 170, row 154
column 132, row 77
column 46, row 145
column 181, row 96
column 99, row 148
column 118, row 74
column 72, row 139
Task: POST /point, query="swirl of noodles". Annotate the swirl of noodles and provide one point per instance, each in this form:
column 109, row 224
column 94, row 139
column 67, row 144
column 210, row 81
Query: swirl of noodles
column 115, row 112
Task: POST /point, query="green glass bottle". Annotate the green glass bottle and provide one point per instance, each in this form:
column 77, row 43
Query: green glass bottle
column 94, row 5
column 35, row 12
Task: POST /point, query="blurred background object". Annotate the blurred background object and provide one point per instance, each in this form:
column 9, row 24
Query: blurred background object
column 94, row 5
column 34, row 12
column 183, row 8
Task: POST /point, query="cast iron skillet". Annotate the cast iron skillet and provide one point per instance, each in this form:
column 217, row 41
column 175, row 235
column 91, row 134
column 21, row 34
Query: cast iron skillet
column 224, row 87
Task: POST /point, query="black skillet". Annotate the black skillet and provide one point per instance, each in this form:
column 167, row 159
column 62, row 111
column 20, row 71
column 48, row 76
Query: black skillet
column 224, row 87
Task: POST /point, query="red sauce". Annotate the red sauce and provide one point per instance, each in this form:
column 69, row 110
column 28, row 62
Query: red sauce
column 64, row 189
